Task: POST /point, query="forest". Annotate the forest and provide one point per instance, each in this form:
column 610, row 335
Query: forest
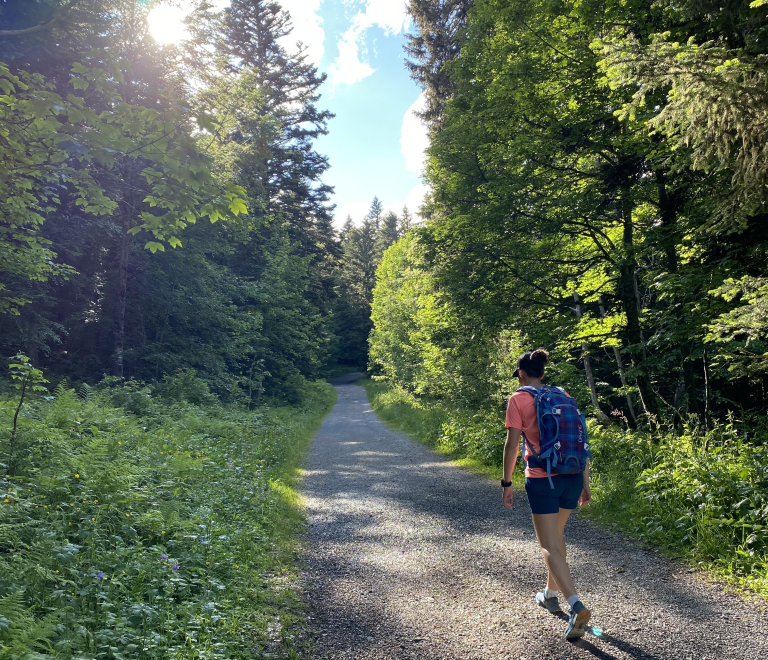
column 598, row 187
column 172, row 294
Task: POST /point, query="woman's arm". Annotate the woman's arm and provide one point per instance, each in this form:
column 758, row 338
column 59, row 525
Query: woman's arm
column 586, row 493
column 511, row 449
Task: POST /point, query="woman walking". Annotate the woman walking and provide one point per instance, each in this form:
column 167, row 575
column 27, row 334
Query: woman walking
column 551, row 501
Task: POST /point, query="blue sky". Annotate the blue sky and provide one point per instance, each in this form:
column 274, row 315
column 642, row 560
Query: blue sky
column 375, row 144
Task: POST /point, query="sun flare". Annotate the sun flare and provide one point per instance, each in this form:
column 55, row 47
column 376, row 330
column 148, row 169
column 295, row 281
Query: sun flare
column 166, row 24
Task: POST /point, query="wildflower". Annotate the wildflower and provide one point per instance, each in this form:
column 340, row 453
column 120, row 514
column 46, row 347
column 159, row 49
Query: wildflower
column 175, row 567
column 99, row 575
column 93, row 519
column 77, row 476
column 163, row 557
column 119, row 443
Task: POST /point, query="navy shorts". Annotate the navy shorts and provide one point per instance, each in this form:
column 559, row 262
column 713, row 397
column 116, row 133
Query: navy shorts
column 542, row 498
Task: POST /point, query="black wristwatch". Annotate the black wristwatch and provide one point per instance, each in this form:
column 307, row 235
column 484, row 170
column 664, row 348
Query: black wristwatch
column 505, row 484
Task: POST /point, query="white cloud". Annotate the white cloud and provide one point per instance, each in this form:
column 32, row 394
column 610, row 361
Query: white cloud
column 348, row 68
column 390, row 15
column 357, row 210
column 307, row 27
column 413, row 201
column 414, row 138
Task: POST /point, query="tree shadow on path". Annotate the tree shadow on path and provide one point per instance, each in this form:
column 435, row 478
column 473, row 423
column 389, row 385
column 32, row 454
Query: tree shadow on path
column 404, row 546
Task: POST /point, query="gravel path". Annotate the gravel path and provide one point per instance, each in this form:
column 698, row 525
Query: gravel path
column 410, row 557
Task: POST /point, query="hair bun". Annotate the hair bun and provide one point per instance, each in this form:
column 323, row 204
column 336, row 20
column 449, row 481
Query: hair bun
column 540, row 357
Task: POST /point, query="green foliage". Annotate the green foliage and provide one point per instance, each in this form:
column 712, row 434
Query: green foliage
column 363, row 248
column 25, row 376
column 743, row 331
column 52, row 142
column 134, row 144
column 699, row 495
column 597, row 172
column 185, row 386
column 158, row 535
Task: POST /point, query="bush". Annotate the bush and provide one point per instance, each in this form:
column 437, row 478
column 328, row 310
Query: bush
column 701, row 495
column 184, row 385
column 149, row 535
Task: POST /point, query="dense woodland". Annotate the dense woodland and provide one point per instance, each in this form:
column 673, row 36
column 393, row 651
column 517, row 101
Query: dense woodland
column 163, row 207
column 171, row 282
column 598, row 182
column 598, row 177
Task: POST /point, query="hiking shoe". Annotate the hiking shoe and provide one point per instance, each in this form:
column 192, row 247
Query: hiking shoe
column 577, row 621
column 549, row 604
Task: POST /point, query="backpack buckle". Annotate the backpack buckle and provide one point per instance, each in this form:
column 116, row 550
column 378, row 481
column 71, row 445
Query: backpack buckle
column 557, row 445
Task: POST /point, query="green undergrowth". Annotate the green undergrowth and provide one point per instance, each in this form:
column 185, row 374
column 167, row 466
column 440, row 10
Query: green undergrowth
column 133, row 526
column 698, row 495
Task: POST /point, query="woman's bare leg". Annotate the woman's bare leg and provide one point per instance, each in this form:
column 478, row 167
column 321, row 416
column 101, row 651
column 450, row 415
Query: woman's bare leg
column 562, row 518
column 550, row 531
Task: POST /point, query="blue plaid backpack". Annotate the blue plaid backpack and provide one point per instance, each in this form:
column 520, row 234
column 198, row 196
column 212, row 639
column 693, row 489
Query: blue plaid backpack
column 563, row 445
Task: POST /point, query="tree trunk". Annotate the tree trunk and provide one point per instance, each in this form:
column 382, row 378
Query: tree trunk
column 622, row 375
column 127, row 214
column 601, row 416
column 628, row 298
column 668, row 211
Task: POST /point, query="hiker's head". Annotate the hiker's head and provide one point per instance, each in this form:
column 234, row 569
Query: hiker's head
column 531, row 364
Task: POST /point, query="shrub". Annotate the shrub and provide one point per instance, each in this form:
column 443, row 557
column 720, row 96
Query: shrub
column 149, row 535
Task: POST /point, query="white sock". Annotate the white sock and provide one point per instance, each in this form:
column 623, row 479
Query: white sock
column 550, row 593
column 573, row 600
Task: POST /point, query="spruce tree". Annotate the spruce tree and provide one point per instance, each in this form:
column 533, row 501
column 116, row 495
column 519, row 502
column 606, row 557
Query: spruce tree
column 280, row 167
column 376, row 213
column 406, row 221
column 435, row 42
column 388, row 233
column 289, row 169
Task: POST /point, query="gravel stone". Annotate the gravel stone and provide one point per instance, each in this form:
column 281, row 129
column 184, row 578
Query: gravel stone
column 410, row 557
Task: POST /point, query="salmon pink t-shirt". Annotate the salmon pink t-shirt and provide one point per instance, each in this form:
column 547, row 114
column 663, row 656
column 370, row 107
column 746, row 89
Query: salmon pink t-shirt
column 521, row 414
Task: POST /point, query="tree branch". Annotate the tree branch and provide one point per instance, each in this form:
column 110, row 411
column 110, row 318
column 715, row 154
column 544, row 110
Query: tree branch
column 40, row 26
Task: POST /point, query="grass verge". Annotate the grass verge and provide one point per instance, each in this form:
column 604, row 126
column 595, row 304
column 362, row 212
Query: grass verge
column 699, row 495
column 151, row 529
column 465, row 439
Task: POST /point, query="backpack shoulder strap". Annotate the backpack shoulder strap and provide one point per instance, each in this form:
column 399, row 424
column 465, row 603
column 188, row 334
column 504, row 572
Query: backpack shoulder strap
column 531, row 390
column 534, row 392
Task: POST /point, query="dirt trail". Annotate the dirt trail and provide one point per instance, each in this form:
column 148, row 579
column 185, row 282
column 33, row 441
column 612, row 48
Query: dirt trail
column 410, row 557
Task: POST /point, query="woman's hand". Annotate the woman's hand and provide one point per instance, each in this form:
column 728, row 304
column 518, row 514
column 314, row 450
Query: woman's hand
column 586, row 496
column 506, row 497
